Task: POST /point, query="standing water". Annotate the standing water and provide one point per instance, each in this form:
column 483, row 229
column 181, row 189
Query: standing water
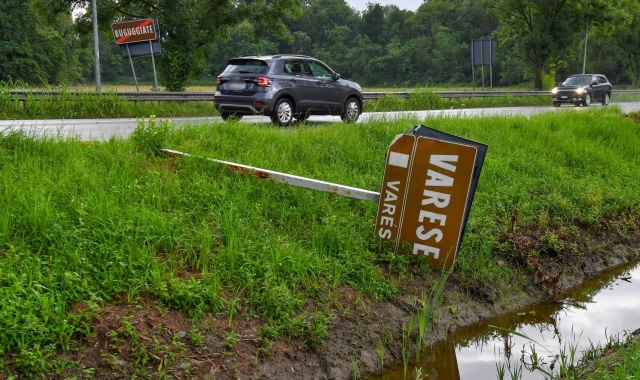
column 582, row 318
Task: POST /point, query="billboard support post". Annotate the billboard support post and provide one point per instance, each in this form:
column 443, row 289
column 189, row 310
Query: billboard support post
column 132, row 69
column 132, row 36
column 483, row 54
column 153, row 62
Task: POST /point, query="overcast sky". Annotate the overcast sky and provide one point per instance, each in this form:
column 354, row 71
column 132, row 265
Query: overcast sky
column 361, row 5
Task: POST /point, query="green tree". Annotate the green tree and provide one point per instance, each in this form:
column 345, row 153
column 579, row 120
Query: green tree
column 188, row 27
column 622, row 37
column 34, row 48
column 541, row 31
column 374, row 24
column 319, row 17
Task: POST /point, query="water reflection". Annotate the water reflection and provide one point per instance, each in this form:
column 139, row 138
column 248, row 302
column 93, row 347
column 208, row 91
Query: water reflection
column 601, row 308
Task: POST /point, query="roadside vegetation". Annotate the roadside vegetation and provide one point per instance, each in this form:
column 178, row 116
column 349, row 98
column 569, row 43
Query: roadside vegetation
column 614, row 359
column 88, row 226
column 618, row 358
column 70, row 105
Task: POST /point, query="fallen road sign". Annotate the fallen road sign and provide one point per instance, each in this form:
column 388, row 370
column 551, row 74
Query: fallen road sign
column 428, row 185
column 425, row 201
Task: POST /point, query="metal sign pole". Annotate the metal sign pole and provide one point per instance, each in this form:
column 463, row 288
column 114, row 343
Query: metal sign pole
column 482, row 60
column 491, row 63
column 132, row 69
column 96, row 45
column 153, row 61
column 473, row 69
column 307, row 183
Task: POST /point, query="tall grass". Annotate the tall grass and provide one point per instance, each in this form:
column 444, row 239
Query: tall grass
column 71, row 105
column 86, row 222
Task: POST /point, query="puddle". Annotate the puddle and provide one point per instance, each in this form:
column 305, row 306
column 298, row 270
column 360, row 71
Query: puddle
column 585, row 316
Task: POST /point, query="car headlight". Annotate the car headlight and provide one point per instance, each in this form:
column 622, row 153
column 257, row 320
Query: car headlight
column 580, row 90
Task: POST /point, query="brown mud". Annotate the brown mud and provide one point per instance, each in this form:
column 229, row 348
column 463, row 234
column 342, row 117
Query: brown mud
column 141, row 339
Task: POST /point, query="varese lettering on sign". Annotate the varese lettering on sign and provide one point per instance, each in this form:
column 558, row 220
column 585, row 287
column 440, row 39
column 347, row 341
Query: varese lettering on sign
column 396, row 175
column 436, row 199
column 423, row 204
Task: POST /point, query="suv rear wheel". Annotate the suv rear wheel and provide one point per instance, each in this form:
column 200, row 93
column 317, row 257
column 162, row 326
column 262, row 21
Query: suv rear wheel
column 606, row 100
column 351, row 111
column 283, row 113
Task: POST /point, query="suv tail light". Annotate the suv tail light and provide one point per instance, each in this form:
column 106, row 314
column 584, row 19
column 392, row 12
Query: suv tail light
column 263, row 82
column 218, row 80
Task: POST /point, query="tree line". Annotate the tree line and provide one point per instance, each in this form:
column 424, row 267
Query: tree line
column 539, row 42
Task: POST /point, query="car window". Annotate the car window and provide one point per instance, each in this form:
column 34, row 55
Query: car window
column 602, row 80
column 580, row 80
column 320, row 71
column 295, row 67
column 246, row 66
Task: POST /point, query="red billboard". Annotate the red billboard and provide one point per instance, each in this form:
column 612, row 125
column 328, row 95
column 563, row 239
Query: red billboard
column 134, row 31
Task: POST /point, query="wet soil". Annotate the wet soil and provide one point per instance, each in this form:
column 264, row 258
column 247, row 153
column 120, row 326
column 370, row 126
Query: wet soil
column 140, row 339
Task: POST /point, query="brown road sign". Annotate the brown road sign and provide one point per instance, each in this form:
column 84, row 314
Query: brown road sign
column 134, row 31
column 435, row 205
column 394, row 185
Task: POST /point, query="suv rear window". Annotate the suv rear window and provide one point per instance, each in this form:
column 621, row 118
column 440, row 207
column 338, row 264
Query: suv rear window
column 246, row 66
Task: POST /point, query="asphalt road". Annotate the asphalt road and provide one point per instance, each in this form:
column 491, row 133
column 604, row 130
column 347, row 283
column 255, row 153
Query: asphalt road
column 103, row 129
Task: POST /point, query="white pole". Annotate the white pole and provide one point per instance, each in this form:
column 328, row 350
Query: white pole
column 290, row 179
column 586, row 37
column 96, row 45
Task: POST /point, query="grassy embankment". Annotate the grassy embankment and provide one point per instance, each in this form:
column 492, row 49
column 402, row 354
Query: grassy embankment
column 94, row 222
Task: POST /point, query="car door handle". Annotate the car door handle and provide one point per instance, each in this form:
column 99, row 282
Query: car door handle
column 318, row 82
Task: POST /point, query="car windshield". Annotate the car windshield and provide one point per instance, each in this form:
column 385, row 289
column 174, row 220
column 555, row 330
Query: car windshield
column 580, row 80
column 246, row 66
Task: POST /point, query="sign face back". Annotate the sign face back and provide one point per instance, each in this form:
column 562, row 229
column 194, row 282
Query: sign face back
column 134, row 31
column 426, row 195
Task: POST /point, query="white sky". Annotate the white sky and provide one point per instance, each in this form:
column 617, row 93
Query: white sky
column 361, row 5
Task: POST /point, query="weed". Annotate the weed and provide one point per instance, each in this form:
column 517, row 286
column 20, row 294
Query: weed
column 356, row 369
column 196, row 338
column 151, row 137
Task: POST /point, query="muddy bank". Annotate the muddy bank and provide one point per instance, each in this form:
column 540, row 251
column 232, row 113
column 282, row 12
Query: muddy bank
column 140, row 338
column 357, row 338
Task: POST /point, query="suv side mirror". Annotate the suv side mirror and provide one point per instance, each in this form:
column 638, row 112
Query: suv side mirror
column 335, row 76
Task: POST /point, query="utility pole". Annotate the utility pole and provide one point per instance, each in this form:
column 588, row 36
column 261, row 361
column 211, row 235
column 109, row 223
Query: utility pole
column 96, row 45
column 586, row 37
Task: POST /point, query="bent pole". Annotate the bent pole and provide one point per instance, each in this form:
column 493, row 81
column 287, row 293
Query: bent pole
column 290, row 179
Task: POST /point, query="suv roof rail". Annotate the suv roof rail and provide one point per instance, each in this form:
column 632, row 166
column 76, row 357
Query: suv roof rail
column 291, row 55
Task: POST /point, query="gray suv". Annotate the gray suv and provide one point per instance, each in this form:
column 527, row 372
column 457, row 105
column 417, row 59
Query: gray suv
column 286, row 88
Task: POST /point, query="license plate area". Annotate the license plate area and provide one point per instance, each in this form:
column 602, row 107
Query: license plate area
column 235, row 85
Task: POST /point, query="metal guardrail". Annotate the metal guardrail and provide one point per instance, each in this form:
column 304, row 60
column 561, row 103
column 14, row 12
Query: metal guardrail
column 24, row 95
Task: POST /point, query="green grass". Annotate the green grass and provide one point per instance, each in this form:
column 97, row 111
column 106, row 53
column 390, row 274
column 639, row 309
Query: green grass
column 69, row 105
column 617, row 359
column 92, row 222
